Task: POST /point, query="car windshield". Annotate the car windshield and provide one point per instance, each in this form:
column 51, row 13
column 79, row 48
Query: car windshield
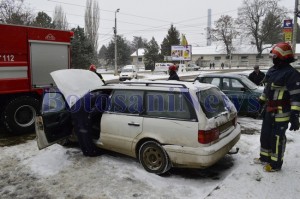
column 213, row 102
column 248, row 83
column 126, row 70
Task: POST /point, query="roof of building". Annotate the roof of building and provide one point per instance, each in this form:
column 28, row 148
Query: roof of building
column 140, row 52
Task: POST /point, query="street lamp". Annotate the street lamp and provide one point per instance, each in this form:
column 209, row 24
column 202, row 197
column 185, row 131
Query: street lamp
column 115, row 31
column 137, row 52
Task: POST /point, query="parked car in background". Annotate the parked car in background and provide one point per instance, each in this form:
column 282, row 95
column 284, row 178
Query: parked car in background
column 241, row 91
column 161, row 127
column 128, row 72
column 192, row 67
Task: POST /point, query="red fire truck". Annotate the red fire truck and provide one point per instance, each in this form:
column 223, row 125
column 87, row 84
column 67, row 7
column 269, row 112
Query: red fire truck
column 27, row 56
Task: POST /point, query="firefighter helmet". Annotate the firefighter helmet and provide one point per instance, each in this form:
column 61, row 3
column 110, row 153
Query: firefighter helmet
column 282, row 51
column 172, row 68
column 93, row 68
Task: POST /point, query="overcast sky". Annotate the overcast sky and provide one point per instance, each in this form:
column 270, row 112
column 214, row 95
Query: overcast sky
column 151, row 18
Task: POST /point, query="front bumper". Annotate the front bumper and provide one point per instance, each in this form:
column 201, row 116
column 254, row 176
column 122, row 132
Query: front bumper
column 125, row 78
column 205, row 156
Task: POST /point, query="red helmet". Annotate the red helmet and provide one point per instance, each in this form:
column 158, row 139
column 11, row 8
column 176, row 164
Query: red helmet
column 93, row 68
column 172, row 68
column 283, row 51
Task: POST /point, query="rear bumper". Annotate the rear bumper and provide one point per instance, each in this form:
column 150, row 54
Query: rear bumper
column 202, row 157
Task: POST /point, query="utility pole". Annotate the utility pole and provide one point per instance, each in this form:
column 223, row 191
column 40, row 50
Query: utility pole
column 295, row 26
column 137, row 51
column 115, row 31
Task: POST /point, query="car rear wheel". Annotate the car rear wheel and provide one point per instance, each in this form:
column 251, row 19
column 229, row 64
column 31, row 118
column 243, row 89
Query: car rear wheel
column 154, row 158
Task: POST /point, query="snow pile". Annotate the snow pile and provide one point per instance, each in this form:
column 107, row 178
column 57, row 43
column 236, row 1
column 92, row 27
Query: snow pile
column 49, row 162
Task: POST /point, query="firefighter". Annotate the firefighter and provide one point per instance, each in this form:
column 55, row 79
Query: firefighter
column 172, row 73
column 282, row 98
column 94, row 69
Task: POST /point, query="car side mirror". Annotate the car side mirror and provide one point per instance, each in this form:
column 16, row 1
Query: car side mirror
column 243, row 89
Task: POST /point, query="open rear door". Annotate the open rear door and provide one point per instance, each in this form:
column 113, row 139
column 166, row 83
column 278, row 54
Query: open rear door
column 54, row 123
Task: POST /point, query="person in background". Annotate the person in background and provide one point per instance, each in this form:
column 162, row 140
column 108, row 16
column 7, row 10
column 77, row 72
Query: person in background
column 222, row 65
column 173, row 73
column 256, row 76
column 282, row 98
column 94, row 69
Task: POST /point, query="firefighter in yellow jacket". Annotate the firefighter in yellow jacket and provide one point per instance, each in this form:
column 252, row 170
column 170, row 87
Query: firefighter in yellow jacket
column 282, row 98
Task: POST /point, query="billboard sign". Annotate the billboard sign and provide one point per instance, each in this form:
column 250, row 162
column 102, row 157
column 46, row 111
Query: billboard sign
column 288, row 30
column 288, row 23
column 181, row 53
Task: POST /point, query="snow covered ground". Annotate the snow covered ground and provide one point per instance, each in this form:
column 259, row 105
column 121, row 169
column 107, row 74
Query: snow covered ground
column 59, row 172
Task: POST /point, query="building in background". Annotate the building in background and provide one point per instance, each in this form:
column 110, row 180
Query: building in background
column 244, row 56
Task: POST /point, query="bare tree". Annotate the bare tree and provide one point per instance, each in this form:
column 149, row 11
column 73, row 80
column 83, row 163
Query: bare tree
column 15, row 12
column 254, row 18
column 59, row 19
column 225, row 31
column 92, row 19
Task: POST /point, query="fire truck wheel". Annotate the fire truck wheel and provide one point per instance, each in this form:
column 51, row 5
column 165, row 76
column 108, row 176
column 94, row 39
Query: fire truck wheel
column 19, row 114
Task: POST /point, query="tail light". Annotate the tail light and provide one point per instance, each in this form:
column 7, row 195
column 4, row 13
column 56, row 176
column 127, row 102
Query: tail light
column 205, row 137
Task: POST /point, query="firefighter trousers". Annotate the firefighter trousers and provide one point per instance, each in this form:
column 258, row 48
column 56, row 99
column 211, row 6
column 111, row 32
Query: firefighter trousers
column 272, row 140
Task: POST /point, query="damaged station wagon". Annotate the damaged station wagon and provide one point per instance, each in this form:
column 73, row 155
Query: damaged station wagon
column 162, row 124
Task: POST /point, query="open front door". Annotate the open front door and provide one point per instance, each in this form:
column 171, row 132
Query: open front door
column 54, row 123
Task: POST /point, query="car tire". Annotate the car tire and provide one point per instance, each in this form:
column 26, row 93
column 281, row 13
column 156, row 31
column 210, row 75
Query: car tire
column 19, row 114
column 154, row 158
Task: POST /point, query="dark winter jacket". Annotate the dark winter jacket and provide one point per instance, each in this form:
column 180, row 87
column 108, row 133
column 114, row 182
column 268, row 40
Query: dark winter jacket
column 282, row 90
column 173, row 76
column 256, row 78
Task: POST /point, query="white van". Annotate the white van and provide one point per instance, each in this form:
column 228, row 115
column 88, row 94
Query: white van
column 128, row 72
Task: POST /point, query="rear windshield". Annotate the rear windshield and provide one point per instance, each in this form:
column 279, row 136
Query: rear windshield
column 213, row 102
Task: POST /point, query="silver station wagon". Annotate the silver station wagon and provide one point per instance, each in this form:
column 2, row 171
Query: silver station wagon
column 163, row 124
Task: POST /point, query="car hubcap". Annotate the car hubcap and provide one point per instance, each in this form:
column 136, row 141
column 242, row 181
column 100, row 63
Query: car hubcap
column 152, row 158
column 25, row 116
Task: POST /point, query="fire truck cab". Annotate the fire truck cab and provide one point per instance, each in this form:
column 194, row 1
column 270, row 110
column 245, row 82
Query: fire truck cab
column 27, row 56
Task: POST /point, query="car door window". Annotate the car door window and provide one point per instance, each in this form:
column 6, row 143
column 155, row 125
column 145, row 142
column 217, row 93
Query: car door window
column 232, row 84
column 226, row 84
column 169, row 105
column 53, row 102
column 212, row 80
column 127, row 101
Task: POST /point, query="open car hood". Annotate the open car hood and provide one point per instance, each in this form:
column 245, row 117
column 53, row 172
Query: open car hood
column 75, row 83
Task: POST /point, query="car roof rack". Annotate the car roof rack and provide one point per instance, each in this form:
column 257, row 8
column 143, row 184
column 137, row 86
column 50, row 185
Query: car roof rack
column 147, row 83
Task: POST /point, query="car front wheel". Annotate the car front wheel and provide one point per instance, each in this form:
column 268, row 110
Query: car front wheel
column 154, row 158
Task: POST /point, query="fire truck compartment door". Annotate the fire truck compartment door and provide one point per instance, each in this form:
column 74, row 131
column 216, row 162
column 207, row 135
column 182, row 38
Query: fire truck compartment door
column 45, row 58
